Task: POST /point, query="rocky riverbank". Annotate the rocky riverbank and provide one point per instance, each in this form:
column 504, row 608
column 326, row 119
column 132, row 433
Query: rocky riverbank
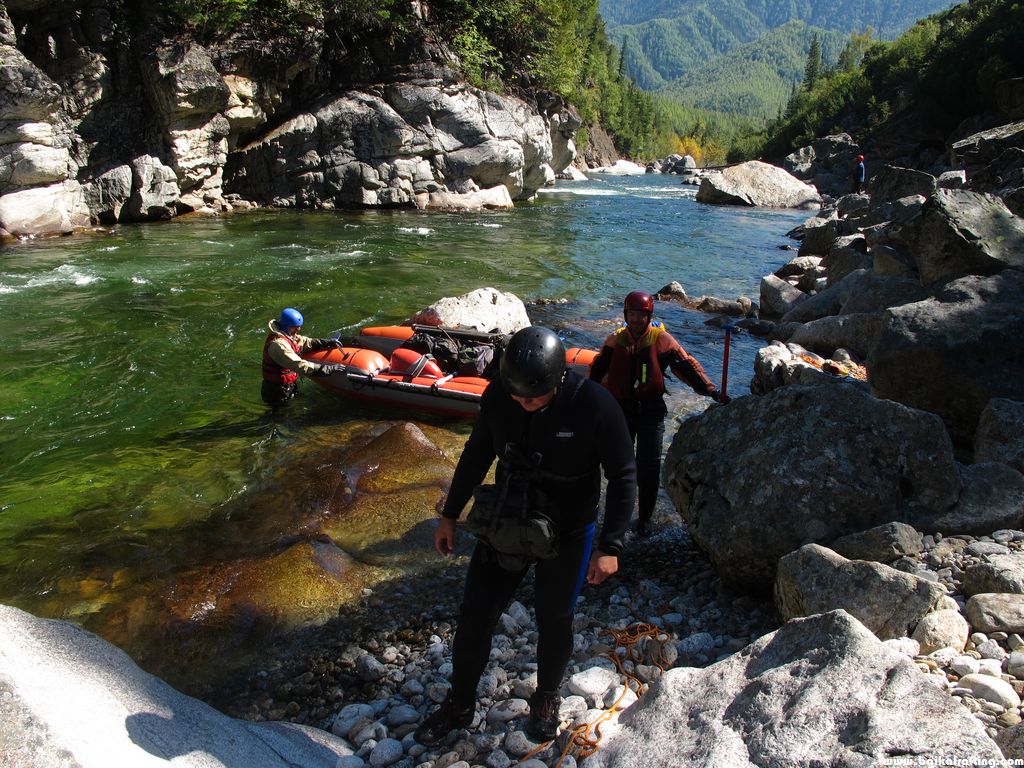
column 370, row 680
column 373, row 673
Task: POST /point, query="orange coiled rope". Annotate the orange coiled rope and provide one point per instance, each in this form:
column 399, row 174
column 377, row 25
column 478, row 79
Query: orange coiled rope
column 583, row 740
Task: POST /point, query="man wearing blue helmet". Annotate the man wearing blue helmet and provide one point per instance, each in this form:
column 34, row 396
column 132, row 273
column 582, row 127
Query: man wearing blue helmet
column 282, row 363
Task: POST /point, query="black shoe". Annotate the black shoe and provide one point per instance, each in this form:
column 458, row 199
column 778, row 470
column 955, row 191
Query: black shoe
column 544, row 719
column 643, row 528
column 443, row 720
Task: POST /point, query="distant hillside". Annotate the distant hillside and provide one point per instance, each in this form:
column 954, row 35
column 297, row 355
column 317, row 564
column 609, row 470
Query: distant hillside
column 947, row 75
column 755, row 79
column 668, row 39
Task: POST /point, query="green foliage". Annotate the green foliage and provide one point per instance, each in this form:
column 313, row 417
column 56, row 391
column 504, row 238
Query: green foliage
column 943, row 69
column 671, row 38
column 755, row 80
column 260, row 18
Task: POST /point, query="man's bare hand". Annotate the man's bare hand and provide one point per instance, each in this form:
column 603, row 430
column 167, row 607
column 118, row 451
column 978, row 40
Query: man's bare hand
column 601, row 567
column 444, row 536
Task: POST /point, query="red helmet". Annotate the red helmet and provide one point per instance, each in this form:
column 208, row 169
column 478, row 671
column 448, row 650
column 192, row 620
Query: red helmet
column 860, row 158
column 638, row 300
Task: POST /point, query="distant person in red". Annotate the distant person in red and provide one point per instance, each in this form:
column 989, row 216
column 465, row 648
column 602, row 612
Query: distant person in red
column 858, row 174
column 632, row 365
column 281, row 362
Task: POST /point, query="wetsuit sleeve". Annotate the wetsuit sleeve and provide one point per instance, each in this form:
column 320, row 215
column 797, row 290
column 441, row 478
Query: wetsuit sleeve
column 619, row 465
column 687, row 369
column 476, row 459
column 283, row 355
column 603, row 361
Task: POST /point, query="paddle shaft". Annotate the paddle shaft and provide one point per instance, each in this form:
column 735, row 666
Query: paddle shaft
column 725, row 360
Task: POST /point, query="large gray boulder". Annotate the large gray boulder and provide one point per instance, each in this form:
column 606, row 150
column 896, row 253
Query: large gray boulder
column 778, row 297
column 889, row 602
column 882, row 544
column 846, row 255
column 69, row 698
column 781, row 364
column 385, row 148
column 996, row 573
column 961, row 232
column 981, row 149
column 485, row 309
column 953, row 353
column 827, row 163
column 821, row 691
column 891, row 183
column 757, row 184
column 54, row 209
column 855, row 332
column 38, row 190
column 992, row 498
column 763, row 476
column 1000, row 435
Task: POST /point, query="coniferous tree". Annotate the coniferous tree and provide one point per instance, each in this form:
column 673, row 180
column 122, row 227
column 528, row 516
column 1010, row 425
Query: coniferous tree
column 812, row 71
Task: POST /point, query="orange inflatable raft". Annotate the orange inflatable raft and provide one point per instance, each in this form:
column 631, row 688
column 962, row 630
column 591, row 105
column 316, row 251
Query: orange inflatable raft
column 379, row 370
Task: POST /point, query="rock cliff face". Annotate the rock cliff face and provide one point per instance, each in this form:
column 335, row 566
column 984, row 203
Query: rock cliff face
column 108, row 114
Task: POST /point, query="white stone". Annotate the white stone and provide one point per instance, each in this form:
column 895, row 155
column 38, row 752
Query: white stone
column 484, row 309
column 944, row 656
column 520, row 613
column 620, row 695
column 992, row 689
column 965, row 665
column 990, row 649
column 1015, row 665
column 518, row 744
column 595, row 681
column 621, row 168
column 507, row 710
column 993, row 667
column 55, row 209
column 78, row 695
column 942, row 629
column 905, row 645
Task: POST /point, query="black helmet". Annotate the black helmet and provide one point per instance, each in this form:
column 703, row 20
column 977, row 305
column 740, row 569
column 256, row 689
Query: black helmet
column 533, row 362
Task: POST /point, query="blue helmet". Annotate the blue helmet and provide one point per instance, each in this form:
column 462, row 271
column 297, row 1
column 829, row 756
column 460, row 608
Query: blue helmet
column 290, row 318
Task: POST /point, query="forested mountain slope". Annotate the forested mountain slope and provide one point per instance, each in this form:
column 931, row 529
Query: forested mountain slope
column 755, row 79
column 668, row 39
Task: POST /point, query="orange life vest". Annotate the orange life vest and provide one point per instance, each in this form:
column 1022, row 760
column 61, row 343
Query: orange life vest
column 634, row 371
column 271, row 370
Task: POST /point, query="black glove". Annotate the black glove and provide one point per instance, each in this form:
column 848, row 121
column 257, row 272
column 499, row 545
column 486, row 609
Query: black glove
column 316, row 344
column 327, row 369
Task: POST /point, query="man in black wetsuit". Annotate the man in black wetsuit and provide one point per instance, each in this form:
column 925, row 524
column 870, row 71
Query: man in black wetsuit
column 578, row 429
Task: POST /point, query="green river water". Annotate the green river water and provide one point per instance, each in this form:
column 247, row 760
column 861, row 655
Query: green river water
column 130, row 421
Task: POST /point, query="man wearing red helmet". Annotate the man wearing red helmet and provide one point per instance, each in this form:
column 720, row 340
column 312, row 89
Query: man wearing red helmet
column 632, row 364
column 858, row 174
